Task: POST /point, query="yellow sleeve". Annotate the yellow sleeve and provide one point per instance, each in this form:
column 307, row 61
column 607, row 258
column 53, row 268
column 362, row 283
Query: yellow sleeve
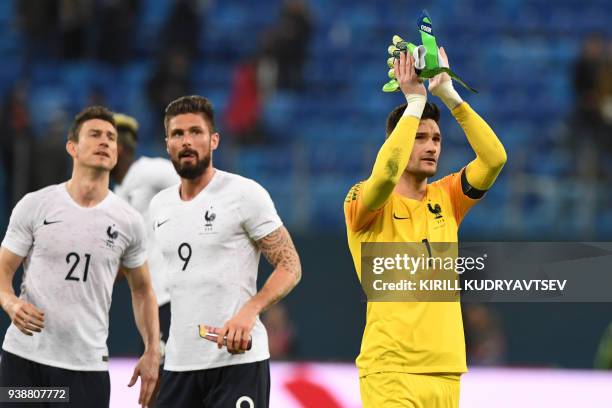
column 490, row 153
column 365, row 199
column 461, row 202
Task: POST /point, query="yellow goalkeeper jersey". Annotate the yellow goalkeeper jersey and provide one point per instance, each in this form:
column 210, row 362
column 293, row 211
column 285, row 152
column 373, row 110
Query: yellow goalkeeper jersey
column 412, row 337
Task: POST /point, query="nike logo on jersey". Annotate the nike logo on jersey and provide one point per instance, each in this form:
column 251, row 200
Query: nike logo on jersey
column 400, row 218
column 159, row 224
column 45, row 222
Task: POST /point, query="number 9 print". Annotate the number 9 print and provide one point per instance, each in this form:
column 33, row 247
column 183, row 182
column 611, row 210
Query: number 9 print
column 184, row 247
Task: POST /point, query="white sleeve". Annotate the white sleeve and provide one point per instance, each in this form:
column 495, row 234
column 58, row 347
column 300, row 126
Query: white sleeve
column 259, row 217
column 136, row 253
column 166, row 176
column 20, row 232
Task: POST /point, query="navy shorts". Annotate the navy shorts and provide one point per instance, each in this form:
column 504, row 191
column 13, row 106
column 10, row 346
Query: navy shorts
column 89, row 389
column 235, row 386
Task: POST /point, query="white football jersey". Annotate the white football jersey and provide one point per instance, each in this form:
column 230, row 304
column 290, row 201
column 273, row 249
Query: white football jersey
column 145, row 178
column 209, row 246
column 72, row 255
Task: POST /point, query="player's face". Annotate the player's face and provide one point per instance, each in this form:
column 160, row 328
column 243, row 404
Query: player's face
column 97, row 145
column 190, row 144
column 426, row 151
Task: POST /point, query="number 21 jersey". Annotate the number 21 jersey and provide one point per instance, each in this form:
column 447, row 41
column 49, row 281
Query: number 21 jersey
column 72, row 255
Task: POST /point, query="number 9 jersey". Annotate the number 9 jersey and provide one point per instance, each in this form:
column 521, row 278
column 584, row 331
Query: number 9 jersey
column 72, row 255
column 211, row 256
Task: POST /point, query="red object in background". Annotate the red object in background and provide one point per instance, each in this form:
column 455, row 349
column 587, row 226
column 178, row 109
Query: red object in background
column 308, row 393
column 244, row 107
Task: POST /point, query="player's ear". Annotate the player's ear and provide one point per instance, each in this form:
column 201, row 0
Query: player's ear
column 214, row 141
column 71, row 148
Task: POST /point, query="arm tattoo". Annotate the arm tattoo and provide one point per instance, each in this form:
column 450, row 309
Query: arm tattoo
column 279, row 250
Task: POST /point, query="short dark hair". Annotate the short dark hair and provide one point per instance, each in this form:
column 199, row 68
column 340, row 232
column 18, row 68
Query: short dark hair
column 191, row 104
column 89, row 113
column 431, row 111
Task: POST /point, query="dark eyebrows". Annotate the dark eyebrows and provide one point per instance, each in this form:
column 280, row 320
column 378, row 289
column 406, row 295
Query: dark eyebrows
column 178, row 131
column 426, row 134
column 100, row 131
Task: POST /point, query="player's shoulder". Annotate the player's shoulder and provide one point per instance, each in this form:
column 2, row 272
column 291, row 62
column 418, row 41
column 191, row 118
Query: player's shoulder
column 122, row 207
column 444, row 181
column 353, row 193
column 43, row 196
column 232, row 182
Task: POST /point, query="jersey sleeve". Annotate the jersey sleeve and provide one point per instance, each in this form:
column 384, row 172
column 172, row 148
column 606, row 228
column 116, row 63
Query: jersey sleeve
column 19, row 236
column 136, row 253
column 356, row 214
column 259, row 216
column 165, row 175
column 462, row 195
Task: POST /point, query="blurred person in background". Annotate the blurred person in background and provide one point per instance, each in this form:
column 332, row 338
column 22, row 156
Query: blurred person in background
column 484, row 337
column 117, row 20
column 137, row 181
column 74, row 23
column 281, row 332
column 285, row 46
column 212, row 230
column 242, row 116
column 17, row 143
column 38, row 21
column 51, row 165
column 170, row 79
column 592, row 90
column 413, row 353
column 71, row 239
column 182, row 27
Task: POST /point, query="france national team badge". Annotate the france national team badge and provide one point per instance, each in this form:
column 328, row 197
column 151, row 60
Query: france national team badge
column 209, row 220
column 111, row 235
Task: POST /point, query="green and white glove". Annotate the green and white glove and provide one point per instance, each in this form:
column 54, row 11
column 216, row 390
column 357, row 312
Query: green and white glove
column 427, row 57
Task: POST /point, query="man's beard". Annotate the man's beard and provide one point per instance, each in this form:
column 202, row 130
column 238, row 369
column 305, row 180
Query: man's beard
column 188, row 171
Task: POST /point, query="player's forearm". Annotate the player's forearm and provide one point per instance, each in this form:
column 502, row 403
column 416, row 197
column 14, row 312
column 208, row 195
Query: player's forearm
column 146, row 316
column 280, row 252
column 393, row 156
column 7, row 294
column 278, row 285
column 8, row 265
column 490, row 153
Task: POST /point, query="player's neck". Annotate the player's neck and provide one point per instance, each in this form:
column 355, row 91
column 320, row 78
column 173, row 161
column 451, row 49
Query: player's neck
column 411, row 186
column 190, row 188
column 88, row 187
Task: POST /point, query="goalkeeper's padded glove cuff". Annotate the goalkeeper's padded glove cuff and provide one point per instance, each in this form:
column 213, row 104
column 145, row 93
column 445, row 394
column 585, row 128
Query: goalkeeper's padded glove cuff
column 416, row 105
column 448, row 94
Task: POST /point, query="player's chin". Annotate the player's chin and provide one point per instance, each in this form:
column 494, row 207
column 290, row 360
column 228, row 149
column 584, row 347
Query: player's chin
column 103, row 165
column 429, row 169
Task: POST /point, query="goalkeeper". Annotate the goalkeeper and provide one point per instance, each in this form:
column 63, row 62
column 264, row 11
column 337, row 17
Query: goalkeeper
column 413, row 353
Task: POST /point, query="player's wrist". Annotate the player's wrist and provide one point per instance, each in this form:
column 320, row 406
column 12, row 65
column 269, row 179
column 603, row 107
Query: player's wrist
column 447, row 93
column 7, row 302
column 152, row 349
column 415, row 105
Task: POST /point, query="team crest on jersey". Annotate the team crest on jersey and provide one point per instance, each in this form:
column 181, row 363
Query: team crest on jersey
column 209, row 220
column 436, row 210
column 111, row 235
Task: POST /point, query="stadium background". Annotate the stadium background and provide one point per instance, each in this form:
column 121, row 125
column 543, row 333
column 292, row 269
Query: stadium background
column 299, row 107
